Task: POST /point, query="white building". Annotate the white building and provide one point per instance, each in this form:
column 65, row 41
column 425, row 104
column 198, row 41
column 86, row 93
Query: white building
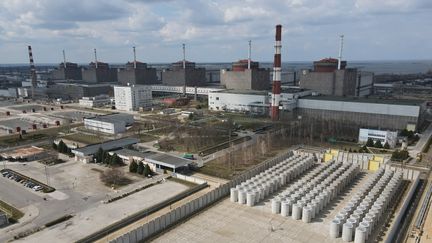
column 384, row 136
column 96, row 101
column 112, row 124
column 132, row 98
column 239, row 101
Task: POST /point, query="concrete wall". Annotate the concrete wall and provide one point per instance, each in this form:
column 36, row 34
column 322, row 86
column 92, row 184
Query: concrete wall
column 255, row 79
column 319, row 82
column 77, row 91
column 99, row 75
column 193, row 77
column 157, row 225
column 137, row 76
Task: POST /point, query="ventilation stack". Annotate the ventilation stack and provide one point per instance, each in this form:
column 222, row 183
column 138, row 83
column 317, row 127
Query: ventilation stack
column 32, row 71
column 249, row 54
column 96, row 60
column 184, row 67
column 276, row 87
column 135, row 61
column 64, row 59
column 340, row 51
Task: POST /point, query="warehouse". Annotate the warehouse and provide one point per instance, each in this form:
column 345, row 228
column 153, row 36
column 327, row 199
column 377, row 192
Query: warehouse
column 239, row 101
column 85, row 154
column 377, row 113
column 25, row 154
column 112, row 124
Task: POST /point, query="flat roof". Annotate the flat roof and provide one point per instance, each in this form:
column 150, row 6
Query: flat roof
column 162, row 159
column 23, row 152
column 246, row 92
column 365, row 100
column 111, row 118
column 109, row 145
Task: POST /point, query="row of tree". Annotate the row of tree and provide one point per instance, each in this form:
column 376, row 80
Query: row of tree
column 61, row 147
column 140, row 168
column 104, row 157
column 377, row 144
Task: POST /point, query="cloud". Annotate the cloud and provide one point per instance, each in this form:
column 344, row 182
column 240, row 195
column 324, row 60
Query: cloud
column 215, row 30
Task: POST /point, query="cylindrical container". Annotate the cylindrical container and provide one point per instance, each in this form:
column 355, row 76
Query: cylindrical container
column 234, row 194
column 242, row 197
column 347, row 232
column 296, row 211
column 368, row 228
column 276, row 206
column 250, row 199
column 360, row 235
column 307, row 214
column 285, row 208
column 335, row 228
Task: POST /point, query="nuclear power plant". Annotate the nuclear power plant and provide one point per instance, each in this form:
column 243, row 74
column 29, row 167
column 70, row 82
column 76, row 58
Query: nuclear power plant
column 137, row 151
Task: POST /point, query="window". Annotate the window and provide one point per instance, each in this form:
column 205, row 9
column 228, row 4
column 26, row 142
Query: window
column 217, row 98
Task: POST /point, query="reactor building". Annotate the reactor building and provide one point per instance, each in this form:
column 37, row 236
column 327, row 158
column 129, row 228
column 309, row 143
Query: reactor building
column 245, row 75
column 99, row 72
column 184, row 73
column 67, row 71
column 137, row 73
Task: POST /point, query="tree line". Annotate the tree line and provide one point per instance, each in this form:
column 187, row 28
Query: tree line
column 140, row 168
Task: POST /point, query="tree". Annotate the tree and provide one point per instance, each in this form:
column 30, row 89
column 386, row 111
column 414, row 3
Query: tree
column 114, row 178
column 141, row 167
column 133, row 167
column 54, row 146
column 115, row 160
column 378, row 144
column 147, row 171
column 99, row 155
column 387, row 145
column 370, row 142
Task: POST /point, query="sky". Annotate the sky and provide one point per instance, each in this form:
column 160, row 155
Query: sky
column 213, row 30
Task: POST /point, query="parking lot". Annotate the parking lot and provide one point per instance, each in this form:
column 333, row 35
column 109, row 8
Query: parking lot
column 25, row 181
column 79, row 192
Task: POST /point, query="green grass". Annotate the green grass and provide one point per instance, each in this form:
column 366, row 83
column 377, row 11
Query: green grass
column 85, row 138
column 11, row 211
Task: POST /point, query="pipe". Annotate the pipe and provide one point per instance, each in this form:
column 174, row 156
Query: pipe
column 340, row 51
column 95, row 56
column 64, row 59
column 135, row 62
column 249, row 54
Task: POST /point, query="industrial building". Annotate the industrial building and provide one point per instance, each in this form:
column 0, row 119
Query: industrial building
column 111, row 124
column 137, row 73
column 156, row 161
column 245, row 75
column 327, row 79
column 184, row 73
column 85, row 154
column 95, row 101
column 75, row 91
column 68, row 71
column 239, row 101
column 384, row 136
column 99, row 72
column 364, row 112
column 133, row 97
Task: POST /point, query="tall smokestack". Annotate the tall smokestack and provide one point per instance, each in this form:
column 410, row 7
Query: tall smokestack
column 340, row 51
column 64, row 59
column 32, row 71
column 134, row 51
column 95, row 56
column 249, row 54
column 276, row 88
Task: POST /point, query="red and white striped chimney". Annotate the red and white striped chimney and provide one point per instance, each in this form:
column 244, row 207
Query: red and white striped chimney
column 276, row 87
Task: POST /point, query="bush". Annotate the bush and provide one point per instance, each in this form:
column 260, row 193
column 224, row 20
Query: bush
column 114, row 178
column 387, row 145
column 133, row 167
column 378, row 144
column 141, row 167
column 400, row 155
column 370, row 142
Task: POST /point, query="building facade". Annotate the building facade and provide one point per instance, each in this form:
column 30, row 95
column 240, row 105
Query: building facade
column 384, row 136
column 242, row 78
column 190, row 75
column 111, row 124
column 69, row 72
column 132, row 98
column 239, row 101
column 137, row 73
column 99, row 73
column 95, row 101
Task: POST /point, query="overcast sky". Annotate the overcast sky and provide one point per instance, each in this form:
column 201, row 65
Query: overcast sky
column 213, row 30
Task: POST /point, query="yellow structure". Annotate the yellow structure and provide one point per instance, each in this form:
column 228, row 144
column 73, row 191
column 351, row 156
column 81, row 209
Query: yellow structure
column 330, row 155
column 375, row 162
